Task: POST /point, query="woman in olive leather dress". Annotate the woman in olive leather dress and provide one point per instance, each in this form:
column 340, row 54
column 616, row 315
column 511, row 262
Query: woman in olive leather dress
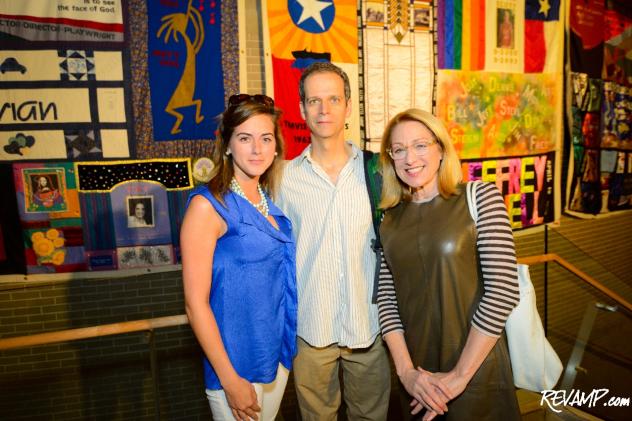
column 447, row 282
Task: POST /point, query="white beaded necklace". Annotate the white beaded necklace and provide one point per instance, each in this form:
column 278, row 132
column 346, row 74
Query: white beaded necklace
column 261, row 206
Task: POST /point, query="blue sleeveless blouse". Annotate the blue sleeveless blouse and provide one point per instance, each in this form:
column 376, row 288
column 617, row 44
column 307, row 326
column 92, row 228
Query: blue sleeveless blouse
column 253, row 290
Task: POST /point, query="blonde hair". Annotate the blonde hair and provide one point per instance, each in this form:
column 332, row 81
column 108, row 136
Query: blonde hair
column 223, row 170
column 393, row 189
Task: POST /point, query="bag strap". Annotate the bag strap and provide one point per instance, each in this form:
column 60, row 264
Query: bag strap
column 470, row 189
column 373, row 180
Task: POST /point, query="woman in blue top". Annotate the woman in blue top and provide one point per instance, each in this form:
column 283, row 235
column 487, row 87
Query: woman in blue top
column 238, row 265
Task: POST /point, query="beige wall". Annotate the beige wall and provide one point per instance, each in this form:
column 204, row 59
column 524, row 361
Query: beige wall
column 254, row 48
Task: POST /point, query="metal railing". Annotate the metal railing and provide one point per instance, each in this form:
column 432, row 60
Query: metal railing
column 552, row 257
column 148, row 325
column 169, row 321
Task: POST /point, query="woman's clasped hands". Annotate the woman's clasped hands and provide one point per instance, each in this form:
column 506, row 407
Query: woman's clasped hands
column 432, row 391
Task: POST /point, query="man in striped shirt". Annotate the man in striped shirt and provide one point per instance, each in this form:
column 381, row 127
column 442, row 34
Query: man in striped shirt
column 323, row 192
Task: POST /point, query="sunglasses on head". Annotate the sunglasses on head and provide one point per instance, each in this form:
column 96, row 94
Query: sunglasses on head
column 237, row 99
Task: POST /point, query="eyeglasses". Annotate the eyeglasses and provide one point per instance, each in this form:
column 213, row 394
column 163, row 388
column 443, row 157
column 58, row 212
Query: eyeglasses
column 237, row 99
column 420, row 149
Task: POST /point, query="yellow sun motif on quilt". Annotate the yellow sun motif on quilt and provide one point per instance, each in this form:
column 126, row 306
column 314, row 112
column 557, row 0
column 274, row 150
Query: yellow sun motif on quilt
column 37, row 236
column 52, row 233
column 341, row 39
column 43, row 247
column 58, row 257
column 48, row 246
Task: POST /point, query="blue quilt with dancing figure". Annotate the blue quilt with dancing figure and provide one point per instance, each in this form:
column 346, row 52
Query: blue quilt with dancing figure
column 185, row 69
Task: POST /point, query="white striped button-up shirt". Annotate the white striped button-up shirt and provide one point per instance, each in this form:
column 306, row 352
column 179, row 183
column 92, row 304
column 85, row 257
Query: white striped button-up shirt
column 335, row 264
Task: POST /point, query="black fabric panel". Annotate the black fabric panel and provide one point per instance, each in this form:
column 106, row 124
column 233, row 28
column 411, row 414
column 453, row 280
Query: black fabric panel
column 10, row 222
column 586, row 61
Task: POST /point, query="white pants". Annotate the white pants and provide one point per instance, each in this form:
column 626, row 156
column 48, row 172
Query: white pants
column 268, row 396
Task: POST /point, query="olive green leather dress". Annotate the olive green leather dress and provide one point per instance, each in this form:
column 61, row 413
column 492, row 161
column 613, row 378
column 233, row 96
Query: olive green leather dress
column 431, row 250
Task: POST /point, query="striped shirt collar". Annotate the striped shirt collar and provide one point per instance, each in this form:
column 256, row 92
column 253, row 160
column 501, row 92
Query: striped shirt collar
column 306, row 155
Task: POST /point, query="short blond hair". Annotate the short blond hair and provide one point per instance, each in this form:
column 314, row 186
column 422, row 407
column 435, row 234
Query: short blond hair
column 393, row 189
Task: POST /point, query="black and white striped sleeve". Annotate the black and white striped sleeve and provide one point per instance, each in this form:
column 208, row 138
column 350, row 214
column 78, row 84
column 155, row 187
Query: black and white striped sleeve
column 387, row 300
column 497, row 254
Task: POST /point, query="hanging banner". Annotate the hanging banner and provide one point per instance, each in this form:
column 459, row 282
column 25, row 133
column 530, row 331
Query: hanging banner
column 600, row 165
column 303, row 32
column 543, row 37
column 617, row 58
column 49, row 211
column 398, row 61
column 517, row 36
column 132, row 211
column 586, row 44
column 497, row 114
column 64, row 81
column 460, row 35
column 499, row 93
column 504, row 36
column 64, row 104
column 185, row 68
column 62, row 20
column 527, row 184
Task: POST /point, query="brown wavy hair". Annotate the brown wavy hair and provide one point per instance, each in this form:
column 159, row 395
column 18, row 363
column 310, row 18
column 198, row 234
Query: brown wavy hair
column 223, row 170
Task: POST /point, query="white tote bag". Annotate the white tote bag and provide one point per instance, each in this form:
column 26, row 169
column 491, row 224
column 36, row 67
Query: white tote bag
column 534, row 363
